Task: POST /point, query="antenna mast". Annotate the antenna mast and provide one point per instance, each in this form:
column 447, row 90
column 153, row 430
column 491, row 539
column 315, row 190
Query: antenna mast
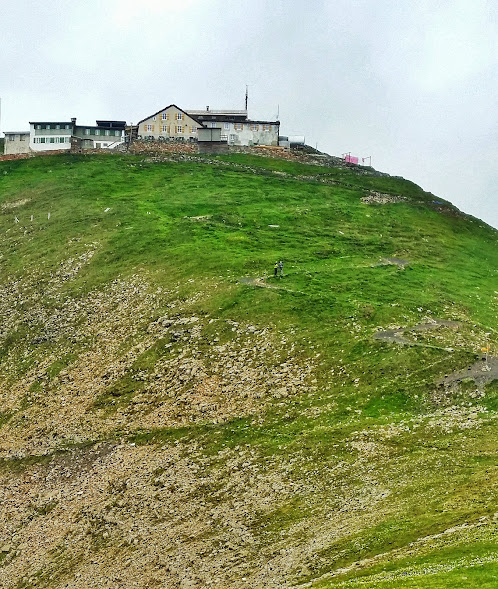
column 247, row 95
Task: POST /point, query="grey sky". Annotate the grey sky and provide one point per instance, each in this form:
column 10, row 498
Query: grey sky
column 413, row 83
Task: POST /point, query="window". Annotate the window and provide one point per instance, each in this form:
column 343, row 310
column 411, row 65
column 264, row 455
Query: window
column 179, row 129
column 154, row 118
column 226, row 125
column 238, row 126
column 224, row 137
column 38, row 126
column 179, row 116
column 164, row 129
column 148, row 127
column 254, row 127
column 12, row 137
column 68, row 126
column 97, row 131
column 165, row 116
column 47, row 126
column 87, row 131
column 52, row 139
column 117, row 133
column 193, row 129
column 42, row 139
column 266, row 127
column 22, row 137
column 213, row 125
column 107, row 132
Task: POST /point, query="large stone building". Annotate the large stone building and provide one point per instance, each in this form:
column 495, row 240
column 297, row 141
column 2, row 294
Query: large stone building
column 170, row 122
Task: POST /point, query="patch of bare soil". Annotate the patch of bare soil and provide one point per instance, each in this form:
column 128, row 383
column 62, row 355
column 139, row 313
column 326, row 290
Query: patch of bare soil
column 381, row 198
column 481, row 372
column 258, row 281
column 15, row 204
column 398, row 335
column 261, row 283
column 394, row 262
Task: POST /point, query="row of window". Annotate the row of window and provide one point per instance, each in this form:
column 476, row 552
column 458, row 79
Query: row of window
column 53, row 126
column 65, row 139
column 167, row 129
column 107, row 132
column 94, row 131
column 148, row 128
column 165, row 116
column 240, row 126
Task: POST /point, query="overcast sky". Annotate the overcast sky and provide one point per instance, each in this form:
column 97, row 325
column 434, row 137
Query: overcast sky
column 413, row 83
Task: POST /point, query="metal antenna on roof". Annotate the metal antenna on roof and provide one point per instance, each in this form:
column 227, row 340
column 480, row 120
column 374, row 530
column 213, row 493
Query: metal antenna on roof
column 247, row 95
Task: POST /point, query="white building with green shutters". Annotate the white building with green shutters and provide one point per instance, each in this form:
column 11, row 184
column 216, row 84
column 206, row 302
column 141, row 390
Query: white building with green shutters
column 67, row 135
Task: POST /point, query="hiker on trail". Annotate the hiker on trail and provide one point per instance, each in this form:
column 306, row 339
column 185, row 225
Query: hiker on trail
column 281, row 266
column 275, row 268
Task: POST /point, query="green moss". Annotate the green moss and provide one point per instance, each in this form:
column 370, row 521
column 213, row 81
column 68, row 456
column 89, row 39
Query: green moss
column 119, row 394
column 490, row 399
column 60, row 364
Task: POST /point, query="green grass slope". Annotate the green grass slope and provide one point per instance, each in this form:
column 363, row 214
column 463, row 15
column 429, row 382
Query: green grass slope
column 173, row 415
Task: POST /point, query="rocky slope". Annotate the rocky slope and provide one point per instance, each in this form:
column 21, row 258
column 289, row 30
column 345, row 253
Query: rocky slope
column 188, row 422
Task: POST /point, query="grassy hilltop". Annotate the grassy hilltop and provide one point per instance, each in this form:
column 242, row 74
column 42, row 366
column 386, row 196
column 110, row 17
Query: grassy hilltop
column 173, row 415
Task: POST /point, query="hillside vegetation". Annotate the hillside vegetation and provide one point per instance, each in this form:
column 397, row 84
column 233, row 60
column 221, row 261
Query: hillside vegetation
column 173, row 415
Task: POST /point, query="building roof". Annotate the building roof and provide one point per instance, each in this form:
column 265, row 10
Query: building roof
column 103, row 127
column 111, row 124
column 16, row 132
column 226, row 112
column 51, row 123
column 262, row 122
column 166, row 108
column 239, row 116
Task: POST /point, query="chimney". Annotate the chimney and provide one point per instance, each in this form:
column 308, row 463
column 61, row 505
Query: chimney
column 73, row 120
column 207, row 108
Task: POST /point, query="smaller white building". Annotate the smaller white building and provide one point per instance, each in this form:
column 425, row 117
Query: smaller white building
column 16, row 142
